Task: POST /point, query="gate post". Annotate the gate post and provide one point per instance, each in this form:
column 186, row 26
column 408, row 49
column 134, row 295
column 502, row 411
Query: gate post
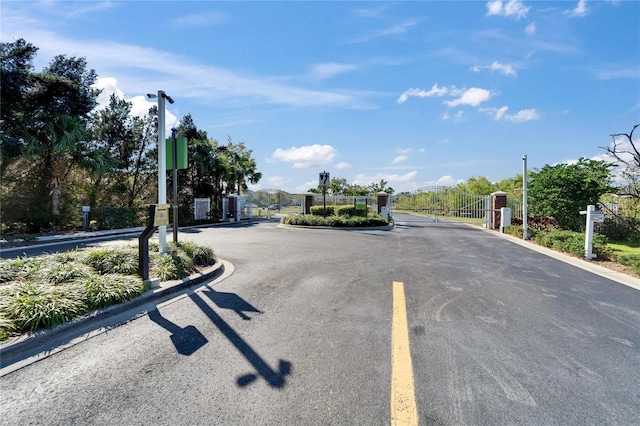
column 498, row 201
column 309, row 200
column 383, row 198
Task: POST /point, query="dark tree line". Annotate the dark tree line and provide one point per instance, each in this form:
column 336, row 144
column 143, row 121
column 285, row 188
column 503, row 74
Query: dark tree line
column 57, row 152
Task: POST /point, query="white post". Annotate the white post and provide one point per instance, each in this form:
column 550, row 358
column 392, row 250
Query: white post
column 525, row 231
column 588, row 235
column 162, row 167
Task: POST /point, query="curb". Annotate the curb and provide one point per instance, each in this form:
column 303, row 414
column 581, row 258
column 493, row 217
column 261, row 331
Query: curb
column 30, row 344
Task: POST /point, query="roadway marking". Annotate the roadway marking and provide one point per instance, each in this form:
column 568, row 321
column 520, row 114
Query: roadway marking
column 403, row 398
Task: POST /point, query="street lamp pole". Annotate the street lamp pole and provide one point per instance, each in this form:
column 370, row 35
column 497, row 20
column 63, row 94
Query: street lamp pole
column 162, row 161
column 525, row 231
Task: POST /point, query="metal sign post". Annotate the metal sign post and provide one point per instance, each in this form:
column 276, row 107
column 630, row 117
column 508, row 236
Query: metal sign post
column 324, row 183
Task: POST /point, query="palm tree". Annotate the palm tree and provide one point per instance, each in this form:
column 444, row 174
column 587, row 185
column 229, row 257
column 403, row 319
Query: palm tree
column 59, row 147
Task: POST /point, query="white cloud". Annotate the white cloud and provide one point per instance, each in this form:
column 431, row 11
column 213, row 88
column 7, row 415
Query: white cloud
column 434, row 92
column 140, row 105
column 500, row 114
column 473, row 97
column 276, row 181
column 497, row 66
column 509, row 8
column 404, row 151
column 306, row 186
column 137, row 70
column 579, row 11
column 342, row 166
column 456, row 118
column 109, row 86
column 328, row 70
column 400, row 159
column 305, row 157
column 531, row 28
column 447, row 181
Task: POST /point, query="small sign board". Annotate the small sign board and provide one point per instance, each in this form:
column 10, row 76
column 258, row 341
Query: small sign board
column 181, row 153
column 597, row 216
column 324, row 179
column 161, row 216
column 361, row 204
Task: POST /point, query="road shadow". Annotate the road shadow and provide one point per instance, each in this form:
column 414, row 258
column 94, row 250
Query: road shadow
column 189, row 339
column 186, row 340
column 231, row 301
column 275, row 379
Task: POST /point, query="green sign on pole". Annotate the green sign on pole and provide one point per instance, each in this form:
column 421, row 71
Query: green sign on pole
column 181, row 149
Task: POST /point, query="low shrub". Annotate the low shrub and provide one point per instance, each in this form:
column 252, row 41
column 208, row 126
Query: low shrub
column 321, row 211
column 120, row 217
column 373, row 219
column 631, row 260
column 123, row 260
column 572, row 242
column 48, row 290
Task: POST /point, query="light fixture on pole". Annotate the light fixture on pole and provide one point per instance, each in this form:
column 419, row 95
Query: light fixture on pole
column 162, row 161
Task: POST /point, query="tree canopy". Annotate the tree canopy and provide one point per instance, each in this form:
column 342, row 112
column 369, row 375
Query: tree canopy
column 563, row 190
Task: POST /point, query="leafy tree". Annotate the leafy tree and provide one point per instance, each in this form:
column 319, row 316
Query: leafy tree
column 381, row 186
column 16, row 68
column 512, row 186
column 242, row 166
column 124, row 143
column 477, row 185
column 563, row 190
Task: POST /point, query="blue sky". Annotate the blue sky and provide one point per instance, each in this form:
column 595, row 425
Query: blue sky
column 415, row 93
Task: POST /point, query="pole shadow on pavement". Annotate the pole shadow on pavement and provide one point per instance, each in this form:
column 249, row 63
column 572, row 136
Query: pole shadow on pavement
column 274, row 378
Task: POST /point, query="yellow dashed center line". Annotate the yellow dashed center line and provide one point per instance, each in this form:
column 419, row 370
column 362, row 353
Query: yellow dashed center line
column 403, row 399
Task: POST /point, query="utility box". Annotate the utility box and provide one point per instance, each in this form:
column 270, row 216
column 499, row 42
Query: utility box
column 86, row 210
column 505, row 218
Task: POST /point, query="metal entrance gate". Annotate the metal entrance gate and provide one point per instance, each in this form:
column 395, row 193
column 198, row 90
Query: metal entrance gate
column 441, row 204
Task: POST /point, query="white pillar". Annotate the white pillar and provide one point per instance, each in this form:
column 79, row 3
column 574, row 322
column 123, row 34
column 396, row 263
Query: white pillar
column 588, row 237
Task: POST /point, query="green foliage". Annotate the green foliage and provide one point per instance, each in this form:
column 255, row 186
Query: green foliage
column 563, row 190
column 516, row 231
column 48, row 290
column 477, row 185
column 120, row 217
column 335, row 221
column 572, row 243
column 321, row 211
column 201, row 255
column 113, row 260
column 631, row 260
column 30, row 306
column 106, row 290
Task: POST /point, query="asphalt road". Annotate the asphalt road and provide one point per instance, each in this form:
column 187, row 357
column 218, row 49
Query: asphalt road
column 301, row 333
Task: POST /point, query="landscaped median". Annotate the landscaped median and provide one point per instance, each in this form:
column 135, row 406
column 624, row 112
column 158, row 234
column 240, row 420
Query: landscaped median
column 45, row 291
column 340, row 217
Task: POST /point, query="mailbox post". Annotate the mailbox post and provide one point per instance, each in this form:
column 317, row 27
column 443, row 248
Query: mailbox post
column 158, row 216
column 593, row 216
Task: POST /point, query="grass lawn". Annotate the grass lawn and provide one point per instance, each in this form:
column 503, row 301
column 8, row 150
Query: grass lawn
column 624, row 247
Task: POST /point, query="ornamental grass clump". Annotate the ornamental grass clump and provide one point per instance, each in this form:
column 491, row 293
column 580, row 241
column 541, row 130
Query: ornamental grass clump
column 105, row 290
column 123, row 260
column 48, row 290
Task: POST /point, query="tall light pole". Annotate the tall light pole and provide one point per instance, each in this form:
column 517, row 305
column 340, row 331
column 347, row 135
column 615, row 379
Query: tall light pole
column 525, row 231
column 162, row 161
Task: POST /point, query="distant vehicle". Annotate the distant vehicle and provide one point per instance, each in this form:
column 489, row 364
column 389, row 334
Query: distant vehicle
column 274, row 207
